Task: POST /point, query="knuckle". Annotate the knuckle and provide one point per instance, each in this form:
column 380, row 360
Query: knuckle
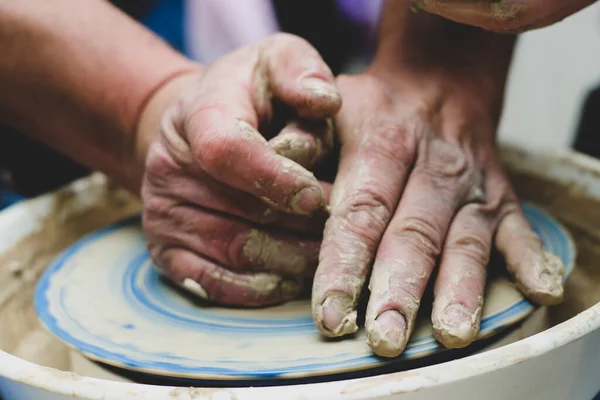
column 171, row 137
column 184, row 221
column 443, row 160
column 365, row 213
column 155, row 210
column 420, row 234
column 505, row 208
column 471, row 246
column 168, row 223
column 160, row 166
column 390, row 139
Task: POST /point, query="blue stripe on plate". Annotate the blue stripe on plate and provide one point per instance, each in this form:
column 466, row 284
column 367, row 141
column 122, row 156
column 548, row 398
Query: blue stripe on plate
column 551, row 233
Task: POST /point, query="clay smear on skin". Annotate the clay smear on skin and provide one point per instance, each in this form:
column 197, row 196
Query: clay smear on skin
column 295, row 147
column 305, row 180
column 499, row 10
column 346, row 288
column 262, row 87
column 260, row 283
column 456, row 336
column 547, row 272
column 261, row 249
column 249, row 133
column 377, row 336
column 340, row 287
column 507, row 10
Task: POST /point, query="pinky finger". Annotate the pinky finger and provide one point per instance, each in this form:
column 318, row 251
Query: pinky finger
column 538, row 273
column 217, row 284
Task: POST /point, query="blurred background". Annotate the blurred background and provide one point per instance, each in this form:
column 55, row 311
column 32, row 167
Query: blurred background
column 554, row 71
column 553, row 95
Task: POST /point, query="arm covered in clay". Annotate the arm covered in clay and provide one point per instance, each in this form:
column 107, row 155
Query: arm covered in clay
column 421, row 188
column 504, row 15
column 77, row 74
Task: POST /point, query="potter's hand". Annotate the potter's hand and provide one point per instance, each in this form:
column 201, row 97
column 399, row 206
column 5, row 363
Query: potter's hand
column 229, row 202
column 504, row 15
column 420, row 185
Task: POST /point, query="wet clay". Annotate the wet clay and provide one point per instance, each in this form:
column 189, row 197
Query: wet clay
column 76, row 211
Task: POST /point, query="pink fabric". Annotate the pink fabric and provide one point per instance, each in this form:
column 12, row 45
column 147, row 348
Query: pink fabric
column 216, row 27
column 364, row 12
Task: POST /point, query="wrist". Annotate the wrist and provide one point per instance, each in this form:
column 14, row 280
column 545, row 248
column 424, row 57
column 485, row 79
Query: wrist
column 148, row 124
column 436, row 51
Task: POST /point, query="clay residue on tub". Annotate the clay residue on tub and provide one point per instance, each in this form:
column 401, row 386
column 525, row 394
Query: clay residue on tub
column 202, row 394
column 78, row 209
column 362, row 385
column 63, row 375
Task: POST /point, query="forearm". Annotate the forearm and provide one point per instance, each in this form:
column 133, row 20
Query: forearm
column 442, row 51
column 77, row 75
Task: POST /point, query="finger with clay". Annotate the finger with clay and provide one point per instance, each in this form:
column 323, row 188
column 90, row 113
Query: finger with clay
column 230, row 202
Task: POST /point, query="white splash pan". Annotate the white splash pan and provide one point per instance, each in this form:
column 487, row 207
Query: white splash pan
column 562, row 362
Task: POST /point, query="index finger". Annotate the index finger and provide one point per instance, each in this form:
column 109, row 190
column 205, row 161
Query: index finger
column 222, row 128
column 233, row 152
column 219, row 129
column 375, row 159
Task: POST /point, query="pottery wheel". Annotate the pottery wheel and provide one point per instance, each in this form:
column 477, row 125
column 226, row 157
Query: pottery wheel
column 105, row 298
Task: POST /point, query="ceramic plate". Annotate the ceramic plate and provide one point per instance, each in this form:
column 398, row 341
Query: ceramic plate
column 104, row 297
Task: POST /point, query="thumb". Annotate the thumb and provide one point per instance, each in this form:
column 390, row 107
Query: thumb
column 298, row 77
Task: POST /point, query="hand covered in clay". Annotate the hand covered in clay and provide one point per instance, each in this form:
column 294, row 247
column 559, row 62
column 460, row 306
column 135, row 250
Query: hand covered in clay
column 504, row 15
column 231, row 209
column 419, row 187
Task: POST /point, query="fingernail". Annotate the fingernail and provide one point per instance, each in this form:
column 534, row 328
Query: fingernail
column 456, row 315
column 456, row 327
column 387, row 334
column 337, row 317
column 319, row 87
column 307, row 200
